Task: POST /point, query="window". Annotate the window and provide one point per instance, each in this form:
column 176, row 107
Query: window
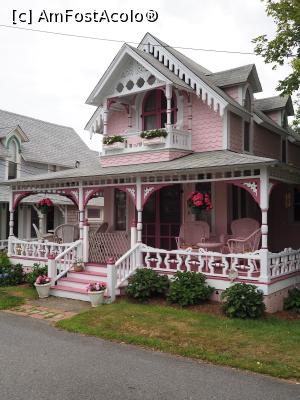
column 246, row 136
column 12, row 162
column 94, row 213
column 296, row 205
column 247, row 101
column 284, row 121
column 155, row 110
column 283, row 150
column 120, row 210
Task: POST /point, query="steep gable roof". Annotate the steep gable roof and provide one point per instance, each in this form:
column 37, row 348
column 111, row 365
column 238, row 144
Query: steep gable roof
column 237, row 76
column 275, row 103
column 48, row 143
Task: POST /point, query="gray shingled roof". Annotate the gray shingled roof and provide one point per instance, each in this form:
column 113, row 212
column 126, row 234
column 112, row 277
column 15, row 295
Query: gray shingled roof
column 48, row 143
column 275, row 103
column 205, row 160
column 236, row 76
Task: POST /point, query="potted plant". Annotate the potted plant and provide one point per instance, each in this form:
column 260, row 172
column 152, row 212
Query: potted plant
column 198, row 202
column 44, row 205
column 96, row 293
column 78, row 266
column 42, row 284
column 114, row 142
column 155, row 136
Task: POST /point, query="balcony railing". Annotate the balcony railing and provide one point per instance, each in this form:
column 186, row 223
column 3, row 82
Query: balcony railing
column 176, row 139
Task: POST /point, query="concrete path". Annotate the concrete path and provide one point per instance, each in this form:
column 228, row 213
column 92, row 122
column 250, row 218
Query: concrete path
column 39, row 362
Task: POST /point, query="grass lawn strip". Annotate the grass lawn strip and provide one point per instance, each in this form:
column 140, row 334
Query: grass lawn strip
column 269, row 345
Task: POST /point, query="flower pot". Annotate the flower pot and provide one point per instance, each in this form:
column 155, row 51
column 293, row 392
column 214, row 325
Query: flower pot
column 96, row 298
column 78, row 267
column 43, row 290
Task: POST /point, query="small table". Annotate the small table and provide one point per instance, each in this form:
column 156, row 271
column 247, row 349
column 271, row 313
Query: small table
column 211, row 246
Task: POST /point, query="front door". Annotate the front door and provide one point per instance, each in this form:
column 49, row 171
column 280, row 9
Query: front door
column 162, row 218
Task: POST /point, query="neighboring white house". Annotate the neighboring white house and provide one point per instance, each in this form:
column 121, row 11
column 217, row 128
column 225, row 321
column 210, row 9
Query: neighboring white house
column 28, row 147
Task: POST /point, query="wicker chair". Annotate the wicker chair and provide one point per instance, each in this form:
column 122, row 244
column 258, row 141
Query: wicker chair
column 245, row 245
column 192, row 233
column 243, row 227
column 66, row 233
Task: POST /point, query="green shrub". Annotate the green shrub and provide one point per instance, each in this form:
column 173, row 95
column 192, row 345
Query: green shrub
column 188, row 288
column 10, row 274
column 243, row 301
column 145, row 284
column 292, row 302
column 37, row 270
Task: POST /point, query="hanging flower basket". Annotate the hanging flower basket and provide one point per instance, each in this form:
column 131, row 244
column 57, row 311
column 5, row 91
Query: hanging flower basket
column 199, row 202
column 44, row 205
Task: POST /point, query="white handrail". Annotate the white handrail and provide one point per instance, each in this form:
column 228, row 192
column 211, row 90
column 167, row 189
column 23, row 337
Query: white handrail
column 75, row 244
column 127, row 264
column 65, row 260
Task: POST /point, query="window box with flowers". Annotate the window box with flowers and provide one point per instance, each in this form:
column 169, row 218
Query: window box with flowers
column 199, row 202
column 44, row 205
column 42, row 285
column 156, row 136
column 96, row 293
column 113, row 142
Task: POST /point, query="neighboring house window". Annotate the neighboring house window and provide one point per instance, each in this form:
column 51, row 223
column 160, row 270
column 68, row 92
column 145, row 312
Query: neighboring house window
column 247, row 101
column 283, row 150
column 94, row 214
column 246, row 136
column 296, row 205
column 12, row 163
column 155, row 110
column 120, row 210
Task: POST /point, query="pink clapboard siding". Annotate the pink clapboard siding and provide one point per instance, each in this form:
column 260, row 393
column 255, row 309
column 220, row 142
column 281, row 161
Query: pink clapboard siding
column 141, row 157
column 118, row 122
column 236, row 133
column 266, row 143
column 207, row 127
column 232, row 91
column 294, row 154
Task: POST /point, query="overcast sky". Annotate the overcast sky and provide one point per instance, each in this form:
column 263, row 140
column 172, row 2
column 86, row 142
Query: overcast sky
column 50, row 77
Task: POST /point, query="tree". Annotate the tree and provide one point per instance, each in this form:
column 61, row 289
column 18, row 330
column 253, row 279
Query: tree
column 284, row 47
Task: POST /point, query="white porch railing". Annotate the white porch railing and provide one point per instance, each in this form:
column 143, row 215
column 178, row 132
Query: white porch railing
column 128, row 264
column 35, row 250
column 242, row 266
column 65, row 260
column 284, row 263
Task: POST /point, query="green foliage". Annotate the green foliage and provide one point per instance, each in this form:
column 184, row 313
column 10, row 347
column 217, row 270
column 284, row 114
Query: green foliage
column 37, row 270
column 188, row 288
column 154, row 134
column 243, row 301
column 145, row 284
column 292, row 302
column 285, row 46
column 113, row 139
column 10, row 274
column 8, row 301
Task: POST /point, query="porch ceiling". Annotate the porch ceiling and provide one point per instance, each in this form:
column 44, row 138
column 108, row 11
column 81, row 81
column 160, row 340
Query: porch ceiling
column 191, row 163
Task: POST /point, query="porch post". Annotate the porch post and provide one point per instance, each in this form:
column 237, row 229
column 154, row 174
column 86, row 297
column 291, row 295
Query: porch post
column 133, row 234
column 264, row 205
column 105, row 117
column 81, row 211
column 11, row 223
column 85, row 243
column 139, row 209
column 169, row 105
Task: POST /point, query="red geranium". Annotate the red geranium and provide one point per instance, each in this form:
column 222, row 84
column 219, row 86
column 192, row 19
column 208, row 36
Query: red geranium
column 198, row 201
column 44, row 205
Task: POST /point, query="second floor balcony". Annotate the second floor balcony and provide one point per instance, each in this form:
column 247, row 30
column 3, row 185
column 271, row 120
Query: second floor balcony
column 136, row 141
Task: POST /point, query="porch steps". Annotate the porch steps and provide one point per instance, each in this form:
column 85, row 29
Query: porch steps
column 69, row 292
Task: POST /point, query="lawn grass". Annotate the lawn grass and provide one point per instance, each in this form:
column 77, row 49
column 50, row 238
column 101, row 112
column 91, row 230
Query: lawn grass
column 13, row 296
column 270, row 345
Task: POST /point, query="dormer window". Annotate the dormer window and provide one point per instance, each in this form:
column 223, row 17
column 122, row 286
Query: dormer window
column 247, row 100
column 155, row 110
column 284, row 122
column 13, row 160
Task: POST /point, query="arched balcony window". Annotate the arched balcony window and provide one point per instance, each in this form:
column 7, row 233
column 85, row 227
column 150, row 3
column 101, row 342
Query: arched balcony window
column 12, row 163
column 154, row 113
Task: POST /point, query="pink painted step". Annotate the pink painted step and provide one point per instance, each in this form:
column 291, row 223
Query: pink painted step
column 103, row 274
column 75, row 280
column 69, row 289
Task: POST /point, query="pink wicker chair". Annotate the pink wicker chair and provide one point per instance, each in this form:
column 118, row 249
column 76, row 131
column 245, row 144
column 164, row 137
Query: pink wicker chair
column 245, row 245
column 192, row 233
column 243, row 227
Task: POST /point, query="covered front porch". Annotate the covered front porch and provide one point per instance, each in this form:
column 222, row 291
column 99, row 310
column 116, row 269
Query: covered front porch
column 145, row 210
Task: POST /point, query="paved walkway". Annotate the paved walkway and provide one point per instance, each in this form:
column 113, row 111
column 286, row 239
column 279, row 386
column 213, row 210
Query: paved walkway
column 40, row 362
column 51, row 309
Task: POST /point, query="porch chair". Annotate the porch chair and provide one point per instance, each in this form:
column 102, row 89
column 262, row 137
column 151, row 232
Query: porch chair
column 192, row 232
column 41, row 236
column 102, row 228
column 245, row 245
column 243, row 227
column 66, row 233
